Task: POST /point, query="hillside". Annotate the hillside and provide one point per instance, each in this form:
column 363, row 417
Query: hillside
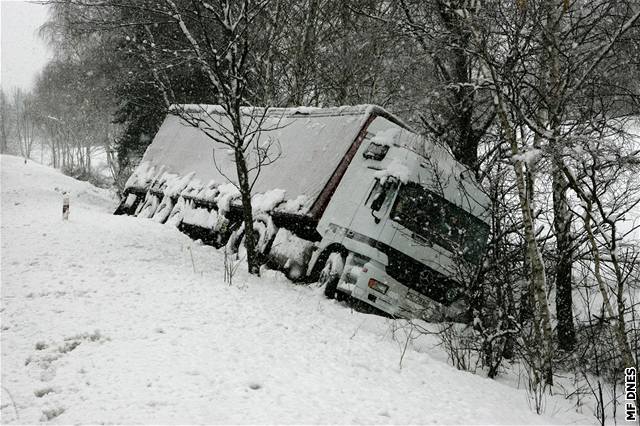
column 111, row 319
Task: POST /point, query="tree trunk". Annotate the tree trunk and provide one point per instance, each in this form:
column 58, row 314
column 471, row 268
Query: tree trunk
column 304, row 60
column 551, row 84
column 542, row 321
column 4, row 141
column 564, row 253
column 247, row 213
column 88, row 159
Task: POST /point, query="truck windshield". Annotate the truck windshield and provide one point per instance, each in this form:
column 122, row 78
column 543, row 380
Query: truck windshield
column 439, row 221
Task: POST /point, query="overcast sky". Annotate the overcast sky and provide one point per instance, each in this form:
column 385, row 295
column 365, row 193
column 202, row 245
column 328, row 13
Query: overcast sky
column 22, row 53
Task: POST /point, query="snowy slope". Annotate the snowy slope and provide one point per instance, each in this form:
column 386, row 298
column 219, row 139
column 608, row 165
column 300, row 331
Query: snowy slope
column 111, row 319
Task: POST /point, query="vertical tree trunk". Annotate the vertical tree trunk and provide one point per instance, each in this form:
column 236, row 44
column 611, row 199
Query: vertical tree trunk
column 4, row 143
column 564, row 253
column 304, row 60
column 455, row 74
column 247, row 213
column 4, row 114
column 561, row 213
column 538, row 285
column 88, row 159
column 542, row 321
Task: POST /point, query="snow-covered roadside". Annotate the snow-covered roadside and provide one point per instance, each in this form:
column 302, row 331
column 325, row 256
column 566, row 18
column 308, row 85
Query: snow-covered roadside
column 121, row 320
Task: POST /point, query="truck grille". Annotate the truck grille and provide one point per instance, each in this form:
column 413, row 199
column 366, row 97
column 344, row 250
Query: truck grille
column 421, row 278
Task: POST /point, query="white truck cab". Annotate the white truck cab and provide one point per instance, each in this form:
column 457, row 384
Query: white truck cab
column 412, row 221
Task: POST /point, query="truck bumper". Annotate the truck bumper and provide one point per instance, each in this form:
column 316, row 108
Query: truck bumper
column 391, row 296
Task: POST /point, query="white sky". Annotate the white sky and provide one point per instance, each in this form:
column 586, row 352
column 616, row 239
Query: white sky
column 22, row 53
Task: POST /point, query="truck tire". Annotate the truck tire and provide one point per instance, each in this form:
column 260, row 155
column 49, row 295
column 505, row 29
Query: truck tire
column 331, row 273
column 177, row 213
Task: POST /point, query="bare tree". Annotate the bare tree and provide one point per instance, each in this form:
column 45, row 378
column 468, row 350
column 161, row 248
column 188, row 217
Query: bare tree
column 5, row 122
column 223, row 52
column 24, row 121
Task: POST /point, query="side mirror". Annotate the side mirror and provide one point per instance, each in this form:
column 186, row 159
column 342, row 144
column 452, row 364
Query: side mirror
column 376, row 204
column 379, row 194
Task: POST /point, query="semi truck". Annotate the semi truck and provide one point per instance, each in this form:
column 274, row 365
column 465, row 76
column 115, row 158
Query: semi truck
column 351, row 198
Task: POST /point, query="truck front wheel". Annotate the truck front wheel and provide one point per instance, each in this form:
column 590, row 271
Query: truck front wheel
column 331, row 273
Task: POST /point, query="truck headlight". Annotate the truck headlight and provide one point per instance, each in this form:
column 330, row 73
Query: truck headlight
column 378, row 286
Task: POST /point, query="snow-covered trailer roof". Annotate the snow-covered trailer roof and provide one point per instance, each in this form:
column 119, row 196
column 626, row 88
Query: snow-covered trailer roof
column 310, row 144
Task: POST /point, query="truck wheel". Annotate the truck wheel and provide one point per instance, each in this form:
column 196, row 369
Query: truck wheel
column 331, row 273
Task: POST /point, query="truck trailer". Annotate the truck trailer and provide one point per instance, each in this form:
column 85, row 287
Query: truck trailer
column 353, row 199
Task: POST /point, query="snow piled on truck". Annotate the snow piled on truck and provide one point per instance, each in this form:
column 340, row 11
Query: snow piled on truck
column 396, row 169
column 386, row 137
column 223, row 195
column 112, row 319
column 309, row 143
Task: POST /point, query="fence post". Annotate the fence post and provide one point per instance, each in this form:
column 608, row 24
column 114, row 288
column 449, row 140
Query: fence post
column 65, row 205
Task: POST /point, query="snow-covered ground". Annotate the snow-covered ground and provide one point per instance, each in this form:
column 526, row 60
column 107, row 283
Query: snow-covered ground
column 111, row 319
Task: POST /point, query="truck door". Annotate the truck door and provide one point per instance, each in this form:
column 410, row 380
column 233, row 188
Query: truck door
column 370, row 219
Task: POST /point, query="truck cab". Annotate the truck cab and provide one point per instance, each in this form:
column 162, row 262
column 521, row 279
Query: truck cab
column 405, row 229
